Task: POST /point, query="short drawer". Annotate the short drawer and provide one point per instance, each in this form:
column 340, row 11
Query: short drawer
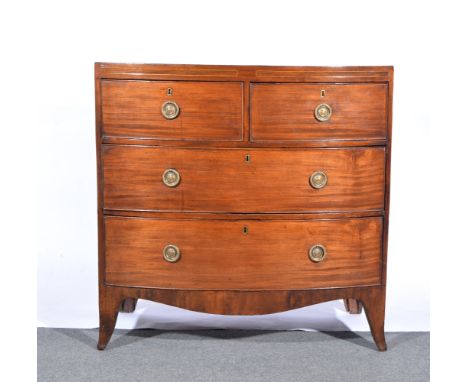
column 240, row 180
column 245, row 254
column 177, row 110
column 318, row 112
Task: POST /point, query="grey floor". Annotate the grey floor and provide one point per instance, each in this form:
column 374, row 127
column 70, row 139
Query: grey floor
column 230, row 355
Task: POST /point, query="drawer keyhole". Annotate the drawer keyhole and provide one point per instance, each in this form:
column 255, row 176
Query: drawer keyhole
column 247, row 158
column 245, row 230
column 169, row 91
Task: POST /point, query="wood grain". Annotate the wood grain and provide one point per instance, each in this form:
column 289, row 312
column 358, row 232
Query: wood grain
column 220, row 255
column 242, row 216
column 222, row 181
column 353, row 306
column 246, row 144
column 257, row 73
column 133, row 121
column 286, row 112
column 208, row 110
column 235, row 302
column 388, row 160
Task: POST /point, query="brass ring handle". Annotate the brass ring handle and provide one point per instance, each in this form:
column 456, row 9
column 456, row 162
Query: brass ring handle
column 323, row 112
column 171, row 253
column 317, row 253
column 318, row 179
column 171, row 177
column 170, row 110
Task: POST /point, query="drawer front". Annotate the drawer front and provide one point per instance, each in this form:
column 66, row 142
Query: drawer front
column 206, row 110
column 287, row 112
column 221, row 255
column 238, row 180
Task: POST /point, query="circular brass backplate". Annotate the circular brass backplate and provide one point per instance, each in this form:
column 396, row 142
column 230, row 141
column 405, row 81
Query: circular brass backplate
column 317, row 253
column 170, row 110
column 318, row 179
column 171, row 253
column 323, row 112
column 171, row 177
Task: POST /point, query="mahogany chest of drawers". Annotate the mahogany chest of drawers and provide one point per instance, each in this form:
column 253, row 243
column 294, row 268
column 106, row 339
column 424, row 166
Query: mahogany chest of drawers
column 243, row 190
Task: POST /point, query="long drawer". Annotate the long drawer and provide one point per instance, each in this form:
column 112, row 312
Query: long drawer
column 172, row 110
column 318, row 112
column 241, row 180
column 244, row 254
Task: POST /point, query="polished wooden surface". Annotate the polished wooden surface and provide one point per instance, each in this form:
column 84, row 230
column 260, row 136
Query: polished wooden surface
column 353, row 306
column 287, row 112
column 245, row 143
column 223, row 181
column 357, row 124
column 235, row 302
column 210, row 260
column 188, row 72
column 242, row 216
column 208, row 110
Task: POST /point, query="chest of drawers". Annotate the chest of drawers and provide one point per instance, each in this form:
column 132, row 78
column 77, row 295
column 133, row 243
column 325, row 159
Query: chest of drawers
column 243, row 190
